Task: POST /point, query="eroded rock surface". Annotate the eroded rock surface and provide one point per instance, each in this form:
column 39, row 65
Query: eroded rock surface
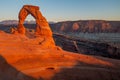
column 72, row 44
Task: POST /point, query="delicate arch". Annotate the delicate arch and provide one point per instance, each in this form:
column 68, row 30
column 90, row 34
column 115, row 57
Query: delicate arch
column 42, row 26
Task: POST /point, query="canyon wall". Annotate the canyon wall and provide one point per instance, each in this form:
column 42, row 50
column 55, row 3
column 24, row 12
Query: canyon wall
column 92, row 26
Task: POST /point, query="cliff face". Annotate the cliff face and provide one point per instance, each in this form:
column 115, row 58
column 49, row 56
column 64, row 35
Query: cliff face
column 86, row 47
column 87, row 26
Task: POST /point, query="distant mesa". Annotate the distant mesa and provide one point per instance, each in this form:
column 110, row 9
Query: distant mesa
column 87, row 26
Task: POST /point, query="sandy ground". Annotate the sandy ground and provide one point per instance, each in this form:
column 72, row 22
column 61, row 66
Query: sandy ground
column 27, row 60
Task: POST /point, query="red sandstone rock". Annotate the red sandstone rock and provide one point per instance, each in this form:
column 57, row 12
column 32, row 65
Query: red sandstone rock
column 42, row 27
column 75, row 26
column 85, row 26
column 21, row 60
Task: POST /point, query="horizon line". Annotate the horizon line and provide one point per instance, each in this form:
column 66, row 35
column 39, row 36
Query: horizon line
column 64, row 20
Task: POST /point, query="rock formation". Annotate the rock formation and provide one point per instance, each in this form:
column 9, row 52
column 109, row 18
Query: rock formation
column 86, row 46
column 90, row 26
column 30, row 62
column 40, row 20
column 42, row 27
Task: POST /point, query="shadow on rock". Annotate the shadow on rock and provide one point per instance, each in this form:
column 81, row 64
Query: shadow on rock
column 8, row 72
column 87, row 73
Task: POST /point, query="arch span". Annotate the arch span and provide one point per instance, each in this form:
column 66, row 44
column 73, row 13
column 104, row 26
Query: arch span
column 42, row 26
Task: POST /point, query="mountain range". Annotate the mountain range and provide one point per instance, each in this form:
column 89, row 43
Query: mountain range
column 15, row 22
column 90, row 26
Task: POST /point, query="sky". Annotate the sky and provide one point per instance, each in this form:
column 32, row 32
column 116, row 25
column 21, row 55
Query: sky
column 62, row 10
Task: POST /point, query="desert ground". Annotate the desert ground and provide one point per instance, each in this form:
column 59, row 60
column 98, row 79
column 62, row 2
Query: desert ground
column 23, row 58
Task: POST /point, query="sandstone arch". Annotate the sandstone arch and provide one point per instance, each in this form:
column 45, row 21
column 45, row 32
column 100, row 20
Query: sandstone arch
column 42, row 27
